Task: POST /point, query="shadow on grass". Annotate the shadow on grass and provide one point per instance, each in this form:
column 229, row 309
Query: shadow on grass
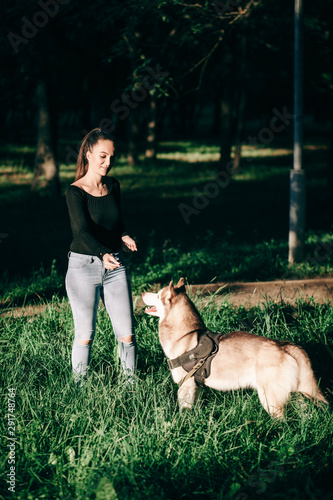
column 219, row 480
column 38, row 231
column 321, row 360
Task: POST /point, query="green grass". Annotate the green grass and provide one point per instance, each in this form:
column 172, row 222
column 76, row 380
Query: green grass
column 206, row 261
column 113, row 443
column 242, row 234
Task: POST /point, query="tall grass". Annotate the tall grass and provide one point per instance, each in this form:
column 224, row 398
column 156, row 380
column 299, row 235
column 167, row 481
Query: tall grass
column 110, row 442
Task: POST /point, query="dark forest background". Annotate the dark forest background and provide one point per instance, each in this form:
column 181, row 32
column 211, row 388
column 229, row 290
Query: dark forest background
column 222, row 66
column 197, row 73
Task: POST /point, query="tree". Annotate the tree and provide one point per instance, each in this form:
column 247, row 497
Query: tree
column 45, row 165
column 297, row 175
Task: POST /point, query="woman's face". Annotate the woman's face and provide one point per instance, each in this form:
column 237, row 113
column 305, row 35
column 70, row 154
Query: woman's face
column 99, row 158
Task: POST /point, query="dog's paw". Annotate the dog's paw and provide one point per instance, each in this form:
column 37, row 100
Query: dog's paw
column 185, row 407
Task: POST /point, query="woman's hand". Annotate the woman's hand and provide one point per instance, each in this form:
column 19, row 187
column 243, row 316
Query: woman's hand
column 129, row 243
column 110, row 262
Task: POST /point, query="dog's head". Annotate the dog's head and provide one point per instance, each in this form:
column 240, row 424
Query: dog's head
column 162, row 301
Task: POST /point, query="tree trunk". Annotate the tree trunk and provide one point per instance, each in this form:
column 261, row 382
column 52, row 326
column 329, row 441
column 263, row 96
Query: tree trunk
column 297, row 175
column 162, row 113
column 330, row 168
column 226, row 129
column 197, row 107
column 239, row 129
column 330, row 149
column 242, row 95
column 86, row 104
column 132, row 156
column 215, row 128
column 151, row 133
column 46, row 173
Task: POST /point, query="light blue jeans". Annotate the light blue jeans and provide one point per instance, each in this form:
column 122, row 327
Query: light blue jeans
column 87, row 281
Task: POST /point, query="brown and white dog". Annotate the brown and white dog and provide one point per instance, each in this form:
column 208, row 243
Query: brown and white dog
column 244, row 360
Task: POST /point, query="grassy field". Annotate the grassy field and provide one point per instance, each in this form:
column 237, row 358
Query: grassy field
column 112, row 443
column 240, row 234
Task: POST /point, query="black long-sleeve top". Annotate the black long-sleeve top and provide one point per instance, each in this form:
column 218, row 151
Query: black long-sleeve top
column 96, row 221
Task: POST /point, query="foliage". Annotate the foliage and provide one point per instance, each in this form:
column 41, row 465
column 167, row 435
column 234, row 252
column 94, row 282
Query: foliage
column 196, row 43
column 40, row 283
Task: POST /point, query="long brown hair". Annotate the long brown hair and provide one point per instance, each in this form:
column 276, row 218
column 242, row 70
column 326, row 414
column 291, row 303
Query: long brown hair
column 92, row 138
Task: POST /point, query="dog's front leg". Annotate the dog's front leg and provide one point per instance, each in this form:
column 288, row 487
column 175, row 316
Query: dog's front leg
column 188, row 394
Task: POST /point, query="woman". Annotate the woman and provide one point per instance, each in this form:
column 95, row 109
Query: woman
column 95, row 260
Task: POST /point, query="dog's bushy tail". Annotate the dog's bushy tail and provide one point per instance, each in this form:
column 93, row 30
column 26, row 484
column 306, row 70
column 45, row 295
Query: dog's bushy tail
column 307, row 383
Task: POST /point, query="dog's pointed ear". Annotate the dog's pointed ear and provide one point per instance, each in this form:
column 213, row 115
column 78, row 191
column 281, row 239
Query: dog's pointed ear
column 181, row 285
column 171, row 291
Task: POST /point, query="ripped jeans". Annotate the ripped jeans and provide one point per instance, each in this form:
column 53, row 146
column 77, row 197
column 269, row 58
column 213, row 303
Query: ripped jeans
column 87, row 281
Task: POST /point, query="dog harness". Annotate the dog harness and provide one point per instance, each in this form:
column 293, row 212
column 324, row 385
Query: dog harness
column 197, row 361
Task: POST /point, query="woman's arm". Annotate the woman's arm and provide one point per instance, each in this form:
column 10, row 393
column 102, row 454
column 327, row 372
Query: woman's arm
column 80, row 222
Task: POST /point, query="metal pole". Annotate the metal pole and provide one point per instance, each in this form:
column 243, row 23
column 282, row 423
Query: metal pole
column 297, row 175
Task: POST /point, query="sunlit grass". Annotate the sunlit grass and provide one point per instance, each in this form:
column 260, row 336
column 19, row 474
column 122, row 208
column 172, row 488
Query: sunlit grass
column 16, row 148
column 180, row 156
column 190, row 157
column 113, row 443
column 187, row 164
column 109, row 442
column 155, row 189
